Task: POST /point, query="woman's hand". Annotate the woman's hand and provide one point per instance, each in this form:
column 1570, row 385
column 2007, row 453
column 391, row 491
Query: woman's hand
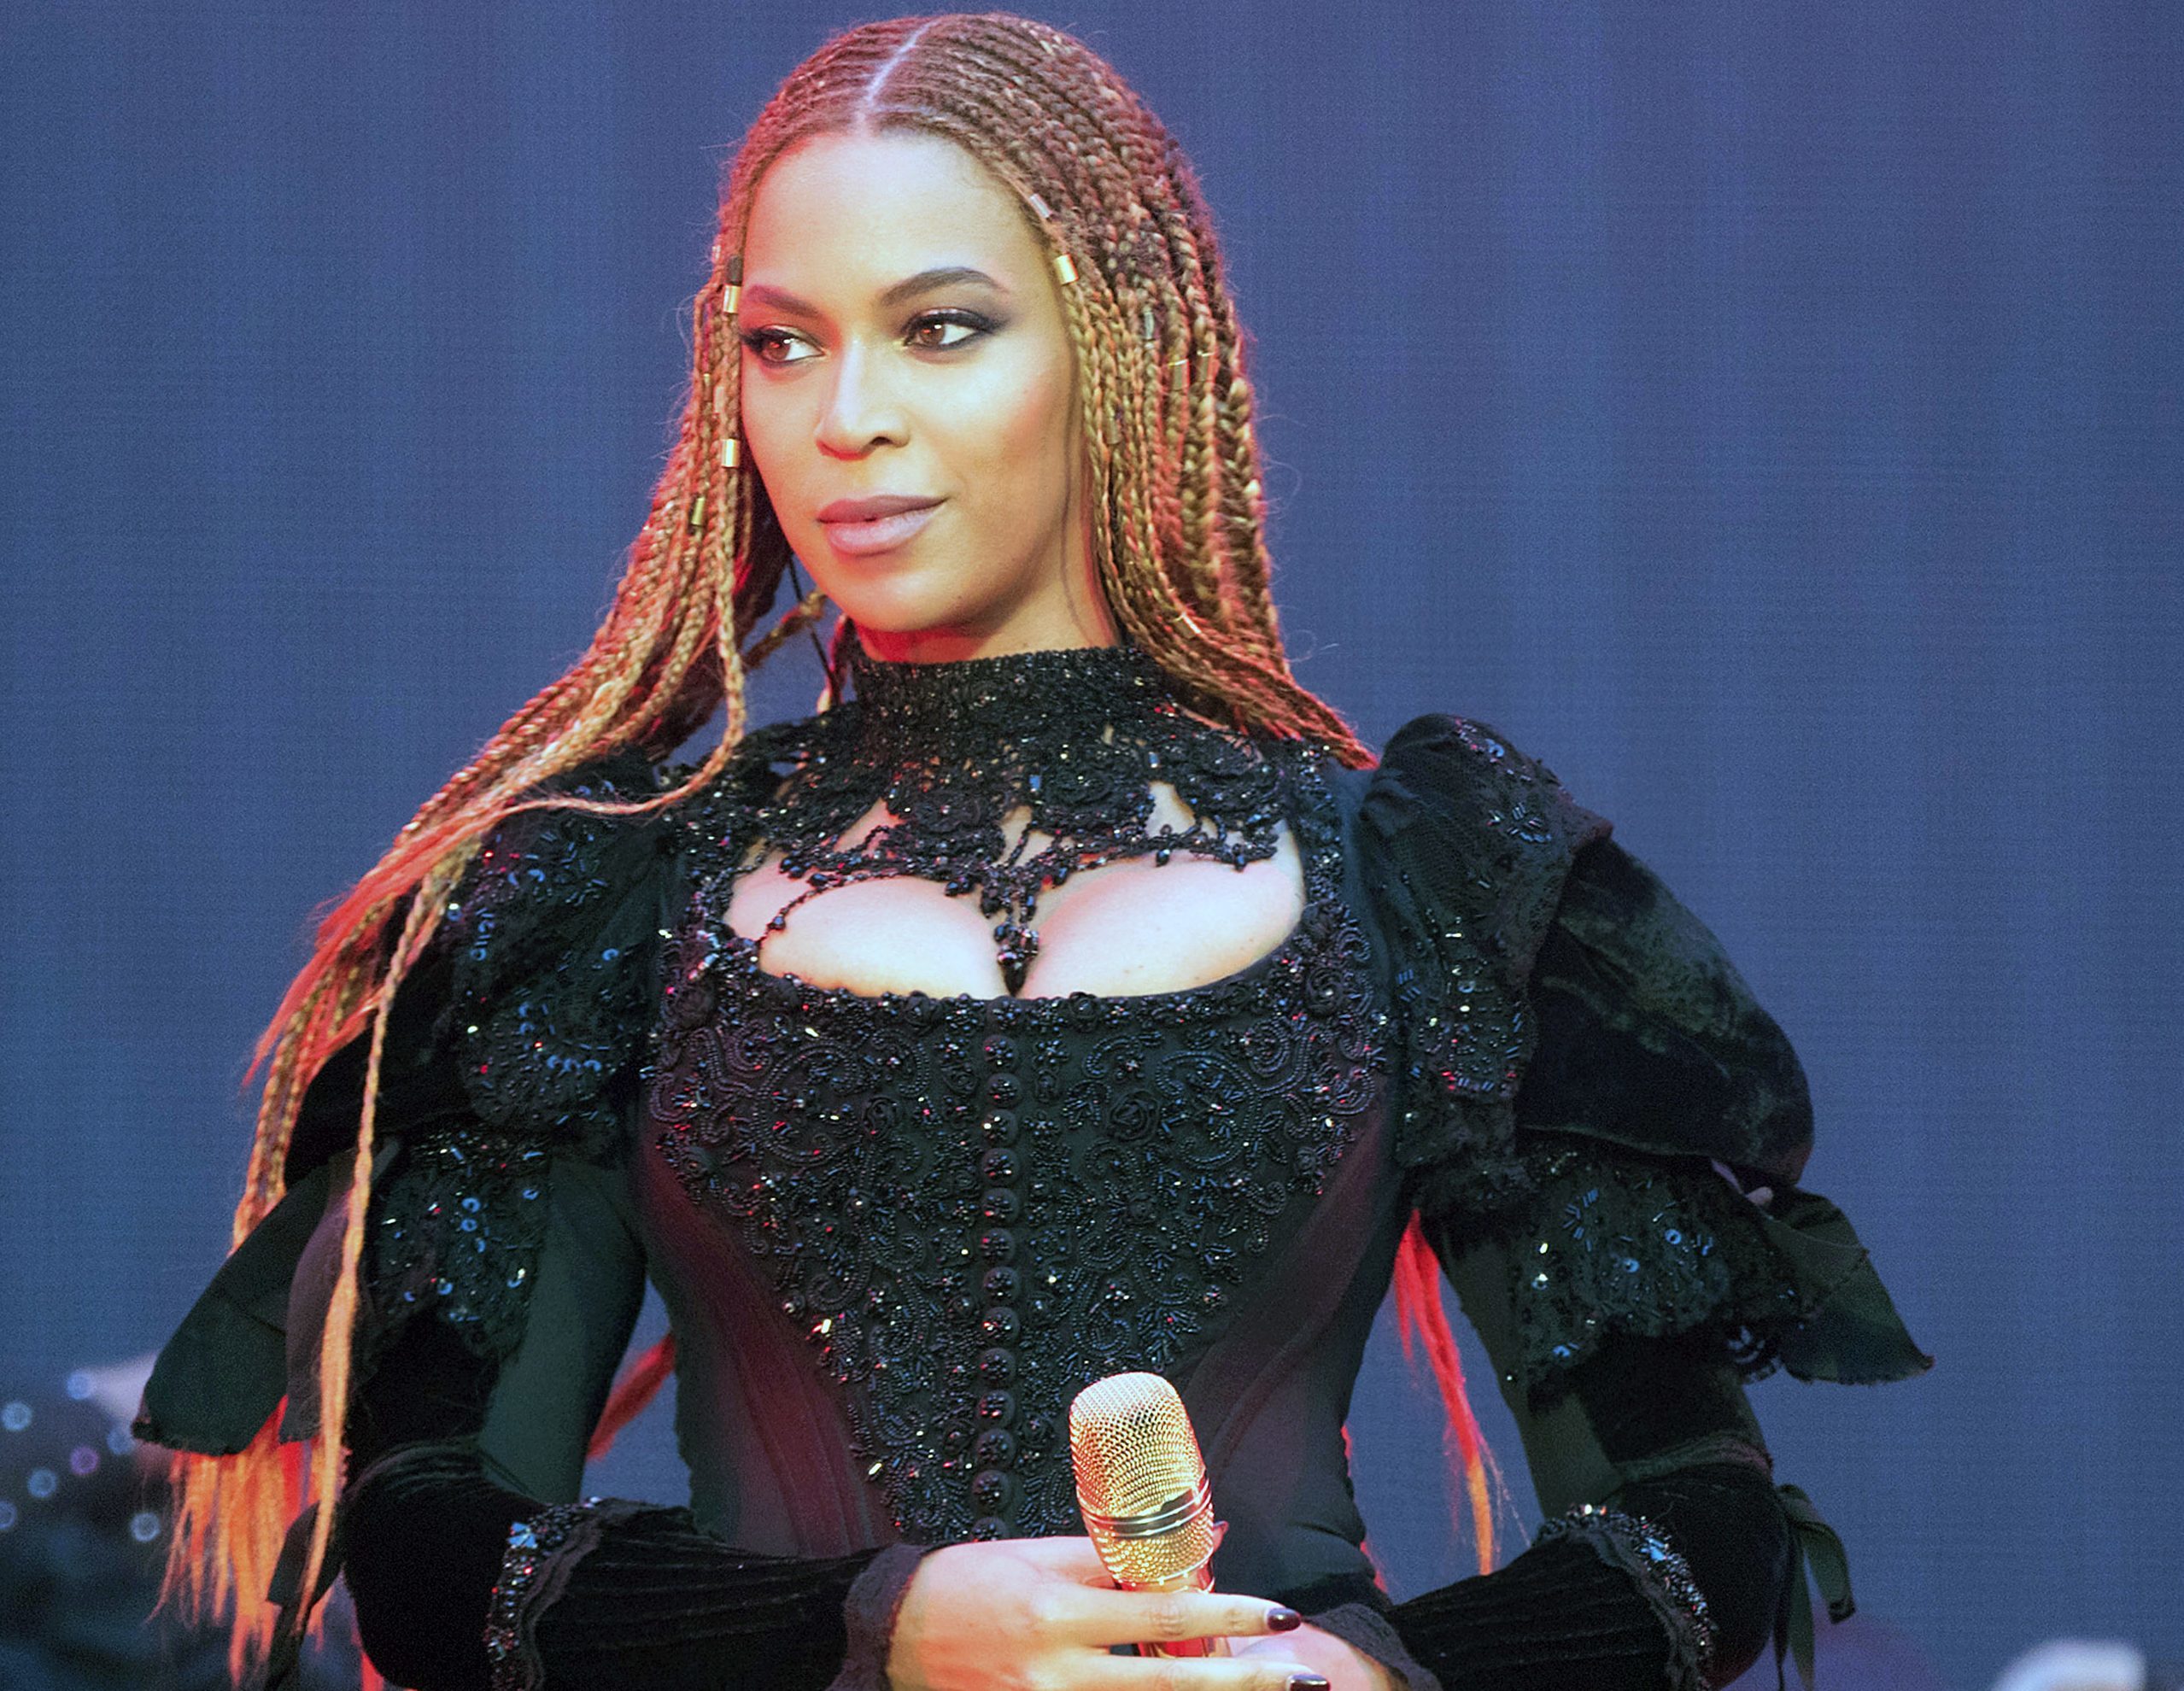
column 1344, row 1667
column 1008, row 1613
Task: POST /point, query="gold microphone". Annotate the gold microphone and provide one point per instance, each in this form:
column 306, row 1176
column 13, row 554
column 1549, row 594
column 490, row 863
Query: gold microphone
column 1141, row 1485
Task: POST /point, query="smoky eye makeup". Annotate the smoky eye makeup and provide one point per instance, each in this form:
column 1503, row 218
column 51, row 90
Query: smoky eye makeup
column 759, row 340
column 946, row 316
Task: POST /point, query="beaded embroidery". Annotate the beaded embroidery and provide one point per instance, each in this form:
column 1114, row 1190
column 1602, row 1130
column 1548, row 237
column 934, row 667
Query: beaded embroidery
column 458, row 1232
column 1479, row 835
column 532, row 1544
column 1615, row 1243
column 971, row 1207
column 1645, row 1552
column 1076, row 737
column 543, row 1026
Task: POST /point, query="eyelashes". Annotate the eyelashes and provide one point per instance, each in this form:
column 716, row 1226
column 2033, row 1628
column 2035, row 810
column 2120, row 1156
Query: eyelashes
column 759, row 340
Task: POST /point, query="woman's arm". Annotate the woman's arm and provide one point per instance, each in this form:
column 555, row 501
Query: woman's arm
column 471, row 1561
column 1666, row 1558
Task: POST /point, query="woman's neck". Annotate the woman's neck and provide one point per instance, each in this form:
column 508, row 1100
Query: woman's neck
column 967, row 704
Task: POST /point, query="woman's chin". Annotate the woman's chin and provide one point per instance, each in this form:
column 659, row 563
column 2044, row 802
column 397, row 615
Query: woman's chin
column 897, row 612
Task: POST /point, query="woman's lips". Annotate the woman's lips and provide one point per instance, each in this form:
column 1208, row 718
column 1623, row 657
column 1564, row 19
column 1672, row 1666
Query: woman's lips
column 878, row 534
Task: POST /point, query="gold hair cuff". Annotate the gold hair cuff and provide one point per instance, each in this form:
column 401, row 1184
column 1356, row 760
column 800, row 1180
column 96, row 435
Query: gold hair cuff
column 731, row 453
column 1065, row 271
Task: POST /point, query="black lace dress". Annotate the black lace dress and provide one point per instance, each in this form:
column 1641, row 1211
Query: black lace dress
column 896, row 1234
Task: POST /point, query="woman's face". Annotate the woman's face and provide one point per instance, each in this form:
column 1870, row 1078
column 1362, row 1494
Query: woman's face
column 902, row 335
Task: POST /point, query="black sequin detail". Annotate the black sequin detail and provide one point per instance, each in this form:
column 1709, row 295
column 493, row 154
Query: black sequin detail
column 972, row 1208
column 1642, row 1550
column 457, row 1230
column 553, row 937
column 510, row 1652
column 1612, row 1242
column 543, row 1027
column 1478, row 839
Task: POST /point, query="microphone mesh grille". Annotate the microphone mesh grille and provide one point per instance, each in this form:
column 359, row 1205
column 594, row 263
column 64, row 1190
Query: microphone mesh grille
column 1134, row 1454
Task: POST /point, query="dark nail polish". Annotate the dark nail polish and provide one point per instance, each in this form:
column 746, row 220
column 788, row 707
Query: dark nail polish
column 1283, row 1620
column 1307, row 1681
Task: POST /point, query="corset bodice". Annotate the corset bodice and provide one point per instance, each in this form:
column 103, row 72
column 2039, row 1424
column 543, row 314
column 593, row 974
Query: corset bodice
column 968, row 1209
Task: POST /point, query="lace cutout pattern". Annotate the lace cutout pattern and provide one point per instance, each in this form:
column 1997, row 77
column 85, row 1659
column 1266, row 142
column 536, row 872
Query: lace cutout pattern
column 1076, row 737
column 971, row 1207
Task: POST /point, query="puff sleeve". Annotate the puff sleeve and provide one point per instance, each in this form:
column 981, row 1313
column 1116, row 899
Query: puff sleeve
column 1602, row 1132
column 503, row 1272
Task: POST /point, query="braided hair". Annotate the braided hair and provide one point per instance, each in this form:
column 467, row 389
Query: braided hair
column 1179, row 544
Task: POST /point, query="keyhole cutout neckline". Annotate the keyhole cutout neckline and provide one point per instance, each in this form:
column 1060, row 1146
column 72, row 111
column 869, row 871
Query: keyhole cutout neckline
column 952, row 772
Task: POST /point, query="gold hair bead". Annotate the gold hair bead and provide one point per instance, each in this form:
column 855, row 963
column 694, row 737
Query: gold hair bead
column 1065, row 271
column 734, row 291
column 697, row 514
column 731, row 453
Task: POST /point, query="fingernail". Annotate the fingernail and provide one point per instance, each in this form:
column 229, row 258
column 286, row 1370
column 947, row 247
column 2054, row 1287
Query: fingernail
column 1307, row 1681
column 1283, row 1620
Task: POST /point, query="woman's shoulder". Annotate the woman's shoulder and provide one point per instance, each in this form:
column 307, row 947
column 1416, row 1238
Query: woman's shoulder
column 556, row 857
column 558, row 916
column 1519, row 934
column 1442, row 770
column 1460, row 829
column 552, row 936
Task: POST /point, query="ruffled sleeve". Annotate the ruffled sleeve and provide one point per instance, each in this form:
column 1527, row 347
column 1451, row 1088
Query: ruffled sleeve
column 1586, row 1079
column 513, row 1038
column 1602, row 1132
column 503, row 1274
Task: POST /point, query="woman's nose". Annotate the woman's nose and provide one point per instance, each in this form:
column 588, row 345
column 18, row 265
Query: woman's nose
column 862, row 409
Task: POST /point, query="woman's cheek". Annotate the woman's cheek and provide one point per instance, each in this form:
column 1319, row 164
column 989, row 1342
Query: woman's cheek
column 1020, row 415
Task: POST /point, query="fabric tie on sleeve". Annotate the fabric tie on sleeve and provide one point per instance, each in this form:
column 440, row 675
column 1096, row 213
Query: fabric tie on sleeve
column 1813, row 1544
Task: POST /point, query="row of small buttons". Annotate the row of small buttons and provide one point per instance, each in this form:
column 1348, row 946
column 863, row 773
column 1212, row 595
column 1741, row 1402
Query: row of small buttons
column 993, row 1487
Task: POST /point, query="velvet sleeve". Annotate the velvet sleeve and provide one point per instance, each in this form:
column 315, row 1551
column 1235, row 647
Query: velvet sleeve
column 1602, row 1131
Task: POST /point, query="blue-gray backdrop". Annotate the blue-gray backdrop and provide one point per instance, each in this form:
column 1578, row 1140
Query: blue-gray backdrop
column 1769, row 415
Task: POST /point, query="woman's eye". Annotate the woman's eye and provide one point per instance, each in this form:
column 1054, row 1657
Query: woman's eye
column 947, row 320
column 925, row 334
column 759, row 339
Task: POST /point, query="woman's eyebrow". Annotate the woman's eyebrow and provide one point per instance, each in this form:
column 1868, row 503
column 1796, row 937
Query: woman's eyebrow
column 894, row 294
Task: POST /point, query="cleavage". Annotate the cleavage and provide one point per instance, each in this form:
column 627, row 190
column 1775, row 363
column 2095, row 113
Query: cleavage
column 1126, row 927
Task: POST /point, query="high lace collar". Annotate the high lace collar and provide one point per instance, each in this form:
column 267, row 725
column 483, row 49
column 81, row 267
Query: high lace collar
column 1075, row 739
column 964, row 705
